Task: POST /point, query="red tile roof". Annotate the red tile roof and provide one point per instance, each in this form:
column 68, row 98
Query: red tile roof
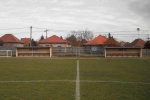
column 99, row 40
column 25, row 40
column 138, row 43
column 9, row 38
column 53, row 39
column 112, row 42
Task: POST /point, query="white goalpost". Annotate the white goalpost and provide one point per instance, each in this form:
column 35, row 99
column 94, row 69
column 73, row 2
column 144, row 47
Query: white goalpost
column 5, row 53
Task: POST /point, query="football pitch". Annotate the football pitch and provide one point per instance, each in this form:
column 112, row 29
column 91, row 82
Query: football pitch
column 72, row 79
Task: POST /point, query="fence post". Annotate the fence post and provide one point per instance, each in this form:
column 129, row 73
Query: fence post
column 141, row 53
column 50, row 50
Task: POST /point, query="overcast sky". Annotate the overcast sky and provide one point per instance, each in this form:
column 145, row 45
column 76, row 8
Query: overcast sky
column 94, row 15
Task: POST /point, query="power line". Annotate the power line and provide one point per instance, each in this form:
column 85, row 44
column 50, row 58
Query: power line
column 39, row 28
column 13, row 28
column 119, row 33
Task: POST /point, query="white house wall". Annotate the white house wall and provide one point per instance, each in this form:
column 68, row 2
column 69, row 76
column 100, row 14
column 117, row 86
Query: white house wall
column 54, row 45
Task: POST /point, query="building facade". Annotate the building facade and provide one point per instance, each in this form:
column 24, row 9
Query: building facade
column 53, row 41
column 9, row 40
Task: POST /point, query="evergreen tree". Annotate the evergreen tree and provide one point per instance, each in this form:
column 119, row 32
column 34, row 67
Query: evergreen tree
column 42, row 37
column 147, row 45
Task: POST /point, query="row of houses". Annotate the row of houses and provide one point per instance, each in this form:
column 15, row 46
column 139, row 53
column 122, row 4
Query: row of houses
column 94, row 47
column 111, row 42
column 9, row 40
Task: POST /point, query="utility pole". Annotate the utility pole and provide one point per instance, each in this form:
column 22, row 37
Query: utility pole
column 46, row 32
column 30, row 36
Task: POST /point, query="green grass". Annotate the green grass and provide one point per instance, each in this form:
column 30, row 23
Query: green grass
column 28, row 69
column 114, row 91
column 124, row 70
column 116, row 70
column 37, row 91
column 36, row 69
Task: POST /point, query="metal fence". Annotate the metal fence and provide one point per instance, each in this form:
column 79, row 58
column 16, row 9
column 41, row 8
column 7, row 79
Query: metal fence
column 76, row 51
column 13, row 49
column 85, row 52
column 146, row 52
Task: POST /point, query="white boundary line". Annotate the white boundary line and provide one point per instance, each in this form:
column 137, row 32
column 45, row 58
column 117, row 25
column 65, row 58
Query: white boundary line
column 122, row 82
column 37, row 81
column 77, row 91
column 86, row 81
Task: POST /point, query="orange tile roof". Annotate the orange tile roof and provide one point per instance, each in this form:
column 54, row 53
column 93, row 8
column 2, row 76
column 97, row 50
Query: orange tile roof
column 138, row 43
column 53, row 39
column 9, row 38
column 25, row 40
column 99, row 40
column 112, row 42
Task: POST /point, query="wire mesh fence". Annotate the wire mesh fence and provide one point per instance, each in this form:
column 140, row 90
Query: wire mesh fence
column 85, row 52
column 75, row 51
column 146, row 52
column 4, row 49
column 78, row 51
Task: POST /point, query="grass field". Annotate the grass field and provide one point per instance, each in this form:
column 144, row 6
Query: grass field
column 55, row 79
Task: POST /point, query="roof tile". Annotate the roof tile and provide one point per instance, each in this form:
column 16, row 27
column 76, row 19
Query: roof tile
column 138, row 43
column 99, row 40
column 53, row 39
column 25, row 40
column 10, row 38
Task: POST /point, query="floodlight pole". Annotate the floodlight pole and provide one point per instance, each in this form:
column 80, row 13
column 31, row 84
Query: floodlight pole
column 138, row 30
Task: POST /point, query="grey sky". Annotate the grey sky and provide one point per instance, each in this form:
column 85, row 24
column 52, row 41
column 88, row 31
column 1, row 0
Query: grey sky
column 95, row 15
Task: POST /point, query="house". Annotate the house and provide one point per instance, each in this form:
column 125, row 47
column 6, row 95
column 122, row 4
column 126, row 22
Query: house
column 96, row 45
column 53, row 41
column 9, row 40
column 26, row 41
column 122, row 43
column 111, row 42
column 99, row 40
column 138, row 43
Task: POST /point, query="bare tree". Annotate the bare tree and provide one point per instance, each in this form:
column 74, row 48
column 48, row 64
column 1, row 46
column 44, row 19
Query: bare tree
column 87, row 35
column 72, row 39
column 78, row 38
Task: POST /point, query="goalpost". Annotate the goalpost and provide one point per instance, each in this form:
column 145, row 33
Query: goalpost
column 5, row 53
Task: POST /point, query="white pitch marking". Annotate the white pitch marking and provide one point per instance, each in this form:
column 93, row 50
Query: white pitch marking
column 86, row 81
column 77, row 92
column 122, row 82
column 36, row 81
